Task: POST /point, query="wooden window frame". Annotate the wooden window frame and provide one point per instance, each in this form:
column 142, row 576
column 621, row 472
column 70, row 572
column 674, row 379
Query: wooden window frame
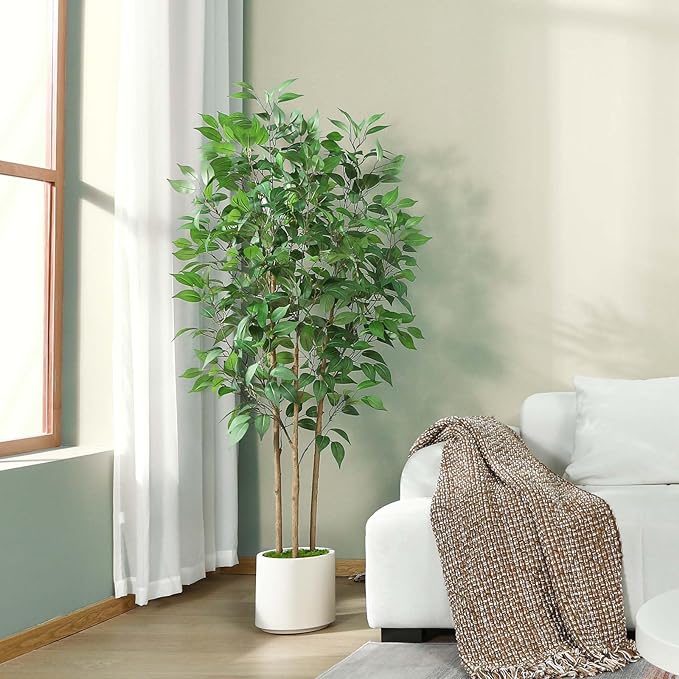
column 54, row 180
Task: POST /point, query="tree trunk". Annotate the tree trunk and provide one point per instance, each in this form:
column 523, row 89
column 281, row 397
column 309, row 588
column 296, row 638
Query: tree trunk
column 278, row 501
column 295, row 460
column 313, row 517
column 314, row 480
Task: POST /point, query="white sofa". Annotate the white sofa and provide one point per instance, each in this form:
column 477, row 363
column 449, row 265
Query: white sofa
column 404, row 585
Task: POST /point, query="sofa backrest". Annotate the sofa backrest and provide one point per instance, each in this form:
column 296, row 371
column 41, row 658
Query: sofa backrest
column 547, row 426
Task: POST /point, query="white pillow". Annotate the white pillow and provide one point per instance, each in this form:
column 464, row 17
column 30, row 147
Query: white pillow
column 626, row 432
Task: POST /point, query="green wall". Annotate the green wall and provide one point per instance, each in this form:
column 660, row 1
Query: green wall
column 56, row 537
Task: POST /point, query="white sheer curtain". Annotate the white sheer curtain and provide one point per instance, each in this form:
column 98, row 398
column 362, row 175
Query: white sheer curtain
column 175, row 476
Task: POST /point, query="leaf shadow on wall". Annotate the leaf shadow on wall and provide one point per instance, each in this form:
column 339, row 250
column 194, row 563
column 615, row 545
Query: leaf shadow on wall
column 633, row 341
column 455, row 298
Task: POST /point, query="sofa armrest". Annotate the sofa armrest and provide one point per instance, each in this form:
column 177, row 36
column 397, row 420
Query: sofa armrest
column 421, row 471
column 404, row 584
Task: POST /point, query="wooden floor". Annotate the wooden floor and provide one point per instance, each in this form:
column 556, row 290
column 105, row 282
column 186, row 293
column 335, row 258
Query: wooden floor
column 207, row 631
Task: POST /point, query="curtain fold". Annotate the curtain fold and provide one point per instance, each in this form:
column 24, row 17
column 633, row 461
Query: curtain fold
column 175, row 476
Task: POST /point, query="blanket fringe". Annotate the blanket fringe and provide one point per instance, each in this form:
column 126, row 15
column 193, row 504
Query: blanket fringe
column 566, row 665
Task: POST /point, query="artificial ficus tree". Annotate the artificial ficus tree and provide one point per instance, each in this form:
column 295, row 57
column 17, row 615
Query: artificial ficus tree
column 300, row 261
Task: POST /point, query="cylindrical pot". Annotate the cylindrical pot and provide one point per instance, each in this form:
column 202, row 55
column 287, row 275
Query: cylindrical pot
column 295, row 595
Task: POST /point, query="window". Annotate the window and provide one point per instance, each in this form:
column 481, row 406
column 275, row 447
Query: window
column 32, row 54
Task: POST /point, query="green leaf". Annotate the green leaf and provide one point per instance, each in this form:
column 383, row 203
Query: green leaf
column 272, row 392
column 406, row 340
column 307, row 423
column 415, row 332
column 282, row 373
column 390, row 197
column 374, row 402
column 413, row 221
column 383, row 372
column 322, row 441
column 185, row 254
column 250, row 372
column 238, row 427
column 367, row 384
column 212, row 355
column 240, row 200
column 189, row 278
column 252, row 252
column 369, row 370
column 191, row 373
column 377, row 128
column 326, row 301
column 285, row 327
column 416, row 239
column 320, row 390
column 345, row 318
column 338, row 123
column 342, row 433
column 187, row 170
column 288, row 392
column 183, row 331
column 231, row 361
column 283, row 86
column 289, row 96
column 188, row 296
column 262, row 314
column 210, row 133
column 350, row 410
column 209, row 120
column 374, row 355
column 202, row 383
column 305, row 379
column 279, row 312
column 262, row 423
column 182, row 185
column 377, row 329
column 337, row 450
column 306, row 337
column 242, row 95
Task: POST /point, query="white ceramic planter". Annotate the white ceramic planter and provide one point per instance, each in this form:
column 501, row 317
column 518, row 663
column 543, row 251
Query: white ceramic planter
column 295, row 595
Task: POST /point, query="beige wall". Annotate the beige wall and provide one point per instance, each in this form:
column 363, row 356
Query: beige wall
column 543, row 143
column 90, row 169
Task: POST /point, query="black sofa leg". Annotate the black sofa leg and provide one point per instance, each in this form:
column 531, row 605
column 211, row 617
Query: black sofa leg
column 413, row 635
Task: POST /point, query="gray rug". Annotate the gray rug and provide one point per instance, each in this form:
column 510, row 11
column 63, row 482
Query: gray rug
column 375, row 660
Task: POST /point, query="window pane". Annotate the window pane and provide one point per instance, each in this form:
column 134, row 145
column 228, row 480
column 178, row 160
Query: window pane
column 23, row 257
column 26, row 30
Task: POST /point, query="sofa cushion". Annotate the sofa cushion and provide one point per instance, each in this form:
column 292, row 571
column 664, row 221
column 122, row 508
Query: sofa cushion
column 626, row 432
column 648, row 521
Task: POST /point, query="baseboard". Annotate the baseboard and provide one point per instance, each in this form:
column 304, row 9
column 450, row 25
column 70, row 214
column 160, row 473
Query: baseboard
column 64, row 626
column 343, row 567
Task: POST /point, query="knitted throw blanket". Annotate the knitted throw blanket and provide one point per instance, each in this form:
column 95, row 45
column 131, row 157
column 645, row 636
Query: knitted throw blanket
column 532, row 564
